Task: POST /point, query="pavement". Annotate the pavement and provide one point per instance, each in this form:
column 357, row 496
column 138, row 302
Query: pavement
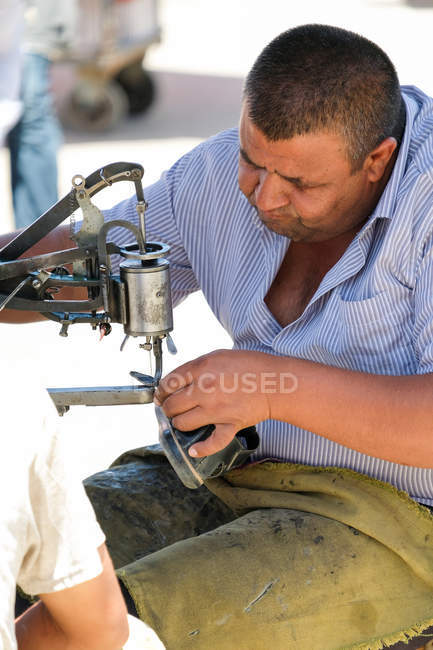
column 205, row 51
column 141, row 636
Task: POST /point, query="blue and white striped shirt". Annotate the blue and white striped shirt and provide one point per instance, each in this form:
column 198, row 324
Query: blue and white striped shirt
column 372, row 312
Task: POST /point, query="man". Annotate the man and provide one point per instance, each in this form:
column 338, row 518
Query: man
column 10, row 65
column 309, row 232
column 50, row 541
column 35, row 139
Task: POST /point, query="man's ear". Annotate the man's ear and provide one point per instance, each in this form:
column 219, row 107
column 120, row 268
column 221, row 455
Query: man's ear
column 377, row 160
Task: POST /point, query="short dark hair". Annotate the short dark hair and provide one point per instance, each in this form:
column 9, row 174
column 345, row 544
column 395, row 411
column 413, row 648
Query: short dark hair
column 322, row 78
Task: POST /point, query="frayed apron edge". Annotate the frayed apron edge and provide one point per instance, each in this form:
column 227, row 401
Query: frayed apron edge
column 388, row 641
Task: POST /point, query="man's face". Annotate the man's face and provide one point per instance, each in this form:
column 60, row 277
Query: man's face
column 302, row 188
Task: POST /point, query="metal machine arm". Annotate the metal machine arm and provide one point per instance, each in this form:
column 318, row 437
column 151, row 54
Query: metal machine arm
column 138, row 298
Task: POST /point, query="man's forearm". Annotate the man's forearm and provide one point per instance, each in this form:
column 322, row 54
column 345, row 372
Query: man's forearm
column 88, row 616
column 56, row 240
column 37, row 630
column 383, row 416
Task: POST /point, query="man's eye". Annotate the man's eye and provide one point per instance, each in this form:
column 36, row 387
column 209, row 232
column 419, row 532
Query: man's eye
column 304, row 188
column 251, row 166
column 247, row 162
column 297, row 186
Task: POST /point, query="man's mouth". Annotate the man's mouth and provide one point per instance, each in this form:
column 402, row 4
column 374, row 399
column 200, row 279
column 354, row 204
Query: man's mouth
column 278, row 216
column 271, row 216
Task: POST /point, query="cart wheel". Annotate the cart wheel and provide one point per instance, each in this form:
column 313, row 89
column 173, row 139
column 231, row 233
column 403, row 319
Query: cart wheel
column 138, row 86
column 95, row 106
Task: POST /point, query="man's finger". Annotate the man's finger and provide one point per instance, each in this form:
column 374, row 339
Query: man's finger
column 171, row 383
column 220, row 438
column 179, row 402
column 190, row 420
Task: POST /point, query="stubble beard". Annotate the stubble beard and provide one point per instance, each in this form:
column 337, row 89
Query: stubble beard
column 294, row 229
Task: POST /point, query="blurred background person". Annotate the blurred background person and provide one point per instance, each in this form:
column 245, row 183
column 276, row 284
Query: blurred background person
column 11, row 23
column 36, row 138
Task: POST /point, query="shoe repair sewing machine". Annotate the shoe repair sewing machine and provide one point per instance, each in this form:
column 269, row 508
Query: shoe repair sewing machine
column 138, row 298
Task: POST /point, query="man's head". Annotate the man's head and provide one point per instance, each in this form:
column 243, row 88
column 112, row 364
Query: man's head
column 321, row 78
column 322, row 118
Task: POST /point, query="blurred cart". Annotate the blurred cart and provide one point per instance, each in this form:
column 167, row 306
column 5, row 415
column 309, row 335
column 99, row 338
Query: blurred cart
column 111, row 40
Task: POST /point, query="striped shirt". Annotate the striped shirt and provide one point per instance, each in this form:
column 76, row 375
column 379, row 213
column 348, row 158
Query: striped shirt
column 372, row 312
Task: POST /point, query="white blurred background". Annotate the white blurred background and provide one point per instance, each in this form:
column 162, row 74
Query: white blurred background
column 205, row 51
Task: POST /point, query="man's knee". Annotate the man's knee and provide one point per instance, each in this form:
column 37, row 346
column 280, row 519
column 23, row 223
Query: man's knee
column 142, row 507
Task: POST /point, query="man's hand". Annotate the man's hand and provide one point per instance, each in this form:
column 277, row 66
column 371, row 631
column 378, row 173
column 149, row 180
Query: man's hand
column 228, row 388
column 383, row 416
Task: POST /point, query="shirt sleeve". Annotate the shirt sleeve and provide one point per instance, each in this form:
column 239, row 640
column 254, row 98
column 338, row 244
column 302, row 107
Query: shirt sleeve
column 423, row 308
column 63, row 536
column 162, row 223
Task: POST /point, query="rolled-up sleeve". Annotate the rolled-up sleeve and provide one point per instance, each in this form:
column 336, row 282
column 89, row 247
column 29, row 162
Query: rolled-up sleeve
column 62, row 534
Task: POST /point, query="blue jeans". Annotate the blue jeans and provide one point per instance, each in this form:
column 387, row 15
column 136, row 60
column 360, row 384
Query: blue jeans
column 33, row 143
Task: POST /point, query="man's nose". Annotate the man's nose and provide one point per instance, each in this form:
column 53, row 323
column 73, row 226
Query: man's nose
column 268, row 194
